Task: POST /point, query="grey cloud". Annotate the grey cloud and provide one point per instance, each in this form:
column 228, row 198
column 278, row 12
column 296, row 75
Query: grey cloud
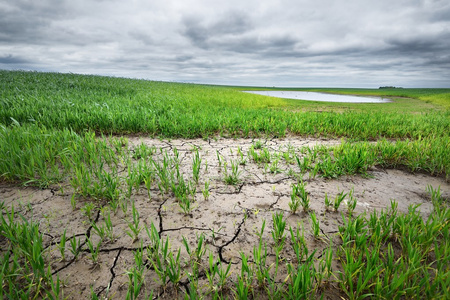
column 143, row 37
column 183, row 58
column 265, row 46
column 420, row 45
column 11, row 59
column 441, row 15
column 373, row 66
column 197, row 34
column 25, row 21
column 234, row 22
column 231, row 23
column 234, row 33
column 441, row 61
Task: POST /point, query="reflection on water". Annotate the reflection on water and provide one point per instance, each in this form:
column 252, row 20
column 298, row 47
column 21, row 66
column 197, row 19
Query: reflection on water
column 312, row 96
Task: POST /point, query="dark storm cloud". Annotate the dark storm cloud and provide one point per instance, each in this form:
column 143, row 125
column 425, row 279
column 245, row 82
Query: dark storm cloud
column 272, row 46
column 376, row 66
column 418, row 45
column 11, row 59
column 233, row 32
column 233, row 23
column 28, row 21
column 285, row 42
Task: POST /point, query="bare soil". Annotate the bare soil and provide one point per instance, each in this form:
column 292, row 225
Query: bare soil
column 230, row 218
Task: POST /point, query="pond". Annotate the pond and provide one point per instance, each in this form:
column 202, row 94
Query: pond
column 313, row 96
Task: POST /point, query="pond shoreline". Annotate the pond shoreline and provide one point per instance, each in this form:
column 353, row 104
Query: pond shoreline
column 323, row 97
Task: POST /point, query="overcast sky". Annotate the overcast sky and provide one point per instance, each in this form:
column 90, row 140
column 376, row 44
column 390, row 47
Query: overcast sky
column 348, row 43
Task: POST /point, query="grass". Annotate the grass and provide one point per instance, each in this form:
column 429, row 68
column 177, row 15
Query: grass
column 116, row 105
column 57, row 128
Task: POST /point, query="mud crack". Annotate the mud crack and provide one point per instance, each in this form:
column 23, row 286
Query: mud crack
column 113, row 274
column 236, row 234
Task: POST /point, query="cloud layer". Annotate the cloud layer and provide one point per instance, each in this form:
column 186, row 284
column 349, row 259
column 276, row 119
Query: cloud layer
column 351, row 43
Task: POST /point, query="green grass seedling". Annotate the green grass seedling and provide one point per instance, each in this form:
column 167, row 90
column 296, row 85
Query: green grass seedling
column 159, row 259
column 294, row 204
column 155, row 241
column 73, row 201
column 305, row 164
column 246, row 270
column 298, row 243
column 131, row 180
column 148, row 180
column 289, row 155
column 100, row 230
column 55, row 291
column 264, row 156
column 109, row 228
column 62, row 245
column 136, row 274
column 242, row 160
column 220, row 159
column 279, row 225
column 301, row 280
column 328, row 202
column 88, row 211
column 205, row 190
column 301, row 196
column 94, row 250
column 23, row 269
column 223, row 272
column 354, row 230
column 196, row 166
column 133, row 224
column 123, row 203
column 198, row 252
column 315, row 225
column 185, row 204
column 437, row 200
column 143, row 151
column 351, row 203
column 325, row 264
column 242, row 288
column 257, row 144
column 193, row 292
column 233, row 178
column 358, row 275
column 338, row 200
column 75, row 247
column 174, row 267
column 134, row 284
column 211, row 272
column 260, row 258
column 114, row 205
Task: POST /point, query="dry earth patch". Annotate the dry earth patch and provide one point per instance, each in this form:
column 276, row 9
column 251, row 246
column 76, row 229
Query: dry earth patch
column 228, row 216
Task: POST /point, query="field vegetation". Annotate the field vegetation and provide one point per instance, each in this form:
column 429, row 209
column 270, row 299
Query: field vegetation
column 70, row 134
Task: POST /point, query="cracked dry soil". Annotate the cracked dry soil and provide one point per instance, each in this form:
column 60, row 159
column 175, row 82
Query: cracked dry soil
column 230, row 218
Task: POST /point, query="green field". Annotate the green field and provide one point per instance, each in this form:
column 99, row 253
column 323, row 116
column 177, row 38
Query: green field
column 70, row 129
column 116, row 105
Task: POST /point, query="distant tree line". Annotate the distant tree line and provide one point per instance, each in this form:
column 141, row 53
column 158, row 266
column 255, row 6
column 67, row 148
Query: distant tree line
column 389, row 87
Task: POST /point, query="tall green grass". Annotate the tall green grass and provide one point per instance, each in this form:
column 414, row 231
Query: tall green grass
column 24, row 269
column 429, row 155
column 117, row 105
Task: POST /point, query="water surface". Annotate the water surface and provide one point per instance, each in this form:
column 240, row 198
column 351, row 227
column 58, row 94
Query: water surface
column 313, row 96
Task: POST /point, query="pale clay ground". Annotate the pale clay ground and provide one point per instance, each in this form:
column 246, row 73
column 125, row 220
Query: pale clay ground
column 229, row 219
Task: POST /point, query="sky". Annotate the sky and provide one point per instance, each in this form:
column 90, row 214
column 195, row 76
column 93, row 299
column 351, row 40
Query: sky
column 284, row 43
